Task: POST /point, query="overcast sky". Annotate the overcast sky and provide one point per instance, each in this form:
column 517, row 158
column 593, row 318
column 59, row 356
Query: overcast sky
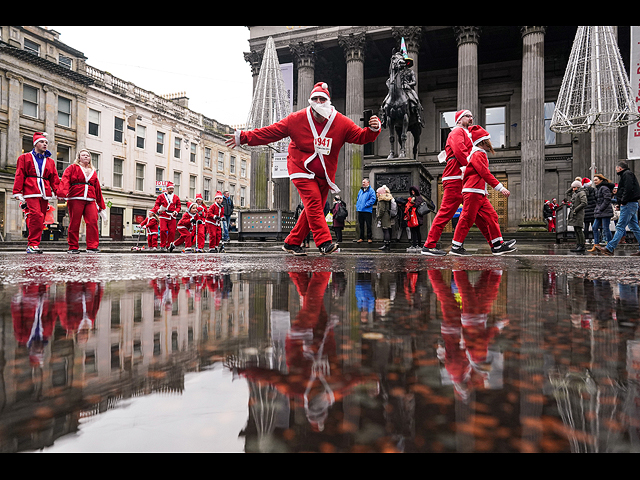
column 207, row 63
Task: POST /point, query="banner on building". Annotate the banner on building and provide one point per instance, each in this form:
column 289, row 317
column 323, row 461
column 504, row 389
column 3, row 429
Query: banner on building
column 633, row 136
column 161, row 186
column 279, row 166
column 287, row 76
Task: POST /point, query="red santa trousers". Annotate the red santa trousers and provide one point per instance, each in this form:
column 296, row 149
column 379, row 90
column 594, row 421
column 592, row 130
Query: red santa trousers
column 77, row 210
column 186, row 237
column 313, row 193
column 451, row 200
column 215, row 235
column 152, row 240
column 201, row 232
column 476, row 208
column 37, row 207
column 167, row 232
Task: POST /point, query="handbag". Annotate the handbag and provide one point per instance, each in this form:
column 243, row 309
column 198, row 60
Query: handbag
column 423, row 209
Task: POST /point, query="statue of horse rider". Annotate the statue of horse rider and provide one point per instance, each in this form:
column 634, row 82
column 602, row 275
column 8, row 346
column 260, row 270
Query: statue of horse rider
column 403, row 64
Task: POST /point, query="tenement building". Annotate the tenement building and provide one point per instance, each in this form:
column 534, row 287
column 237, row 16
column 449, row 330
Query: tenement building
column 137, row 139
column 508, row 76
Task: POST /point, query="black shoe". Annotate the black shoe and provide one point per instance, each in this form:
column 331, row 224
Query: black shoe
column 328, row 247
column 171, row 248
column 579, row 249
column 294, row 249
column 460, row 251
column 510, row 243
column 73, row 250
column 434, row 252
column 503, row 248
column 385, row 247
column 93, row 250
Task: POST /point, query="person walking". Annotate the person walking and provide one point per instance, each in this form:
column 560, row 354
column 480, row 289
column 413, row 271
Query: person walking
column 187, row 228
column 628, row 196
column 383, row 216
column 340, row 213
column 151, row 225
column 36, row 181
column 317, row 134
column 603, row 213
column 227, row 203
column 364, row 208
column 589, row 217
column 81, row 187
column 213, row 221
column 168, row 207
column 576, row 214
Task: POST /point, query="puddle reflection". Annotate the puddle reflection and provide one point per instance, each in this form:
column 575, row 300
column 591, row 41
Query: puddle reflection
column 363, row 360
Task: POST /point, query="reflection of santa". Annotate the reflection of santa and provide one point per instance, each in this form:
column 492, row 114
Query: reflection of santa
column 165, row 290
column 33, row 320
column 78, row 310
column 466, row 335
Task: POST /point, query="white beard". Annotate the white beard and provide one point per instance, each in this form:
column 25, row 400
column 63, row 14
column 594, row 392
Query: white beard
column 323, row 109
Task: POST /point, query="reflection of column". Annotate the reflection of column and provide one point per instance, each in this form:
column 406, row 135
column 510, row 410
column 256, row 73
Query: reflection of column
column 353, row 46
column 468, row 38
column 259, row 158
column 532, row 130
column 305, row 62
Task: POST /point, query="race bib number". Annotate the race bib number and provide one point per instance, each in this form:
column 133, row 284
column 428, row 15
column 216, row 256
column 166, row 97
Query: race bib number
column 323, row 145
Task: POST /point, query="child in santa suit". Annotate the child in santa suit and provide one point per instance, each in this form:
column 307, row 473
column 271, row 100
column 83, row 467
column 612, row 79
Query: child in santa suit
column 186, row 228
column 201, row 229
column 168, row 207
column 214, row 228
column 151, row 224
column 476, row 207
column 36, row 181
column 317, row 135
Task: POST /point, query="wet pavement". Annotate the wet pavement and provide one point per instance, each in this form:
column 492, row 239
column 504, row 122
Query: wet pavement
column 353, row 352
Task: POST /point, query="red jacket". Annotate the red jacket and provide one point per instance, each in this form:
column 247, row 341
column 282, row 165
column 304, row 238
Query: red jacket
column 457, row 150
column 188, row 220
column 305, row 134
column 151, row 224
column 478, row 175
column 171, row 203
column 75, row 185
column 214, row 214
column 31, row 182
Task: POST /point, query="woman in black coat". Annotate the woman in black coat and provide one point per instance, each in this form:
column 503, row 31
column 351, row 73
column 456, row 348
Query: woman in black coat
column 589, row 215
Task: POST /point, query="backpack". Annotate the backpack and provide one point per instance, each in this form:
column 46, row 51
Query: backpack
column 341, row 214
column 394, row 208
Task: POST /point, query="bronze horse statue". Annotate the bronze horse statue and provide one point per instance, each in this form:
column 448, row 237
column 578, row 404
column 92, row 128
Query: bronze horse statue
column 401, row 108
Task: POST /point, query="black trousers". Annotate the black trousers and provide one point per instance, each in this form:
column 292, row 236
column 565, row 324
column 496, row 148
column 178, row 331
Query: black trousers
column 364, row 219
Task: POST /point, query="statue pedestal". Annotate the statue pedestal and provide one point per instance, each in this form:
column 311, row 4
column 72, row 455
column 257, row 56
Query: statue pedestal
column 399, row 175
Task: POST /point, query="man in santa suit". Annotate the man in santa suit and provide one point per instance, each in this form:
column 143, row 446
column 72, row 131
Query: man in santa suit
column 36, row 181
column 168, row 207
column 317, row 134
column 476, row 207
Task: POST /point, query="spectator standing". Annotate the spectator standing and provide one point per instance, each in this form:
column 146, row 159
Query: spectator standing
column 603, row 211
column 339, row 212
column 590, row 208
column 227, row 203
column 383, row 216
column 576, row 215
column 364, row 208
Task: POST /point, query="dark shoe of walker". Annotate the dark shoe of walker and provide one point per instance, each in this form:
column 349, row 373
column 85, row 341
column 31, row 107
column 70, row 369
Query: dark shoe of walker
column 433, row 252
column 579, row 249
column 294, row 249
column 385, row 247
column 503, row 248
column 459, row 251
column 328, row 247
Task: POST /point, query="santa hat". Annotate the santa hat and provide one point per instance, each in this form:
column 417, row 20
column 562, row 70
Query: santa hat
column 461, row 114
column 478, row 134
column 39, row 136
column 190, row 204
column 320, row 89
column 199, row 196
column 170, row 185
column 585, row 181
column 218, row 194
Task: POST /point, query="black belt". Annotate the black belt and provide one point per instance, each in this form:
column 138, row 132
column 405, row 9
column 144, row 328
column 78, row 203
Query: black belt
column 80, row 183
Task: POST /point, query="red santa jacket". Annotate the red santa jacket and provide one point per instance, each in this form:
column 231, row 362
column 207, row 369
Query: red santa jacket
column 151, row 224
column 30, row 181
column 457, row 151
column 171, row 203
column 311, row 140
column 477, row 174
column 214, row 214
column 189, row 220
column 76, row 185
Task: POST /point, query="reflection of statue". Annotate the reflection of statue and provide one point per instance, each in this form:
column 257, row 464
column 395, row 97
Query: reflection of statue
column 401, row 110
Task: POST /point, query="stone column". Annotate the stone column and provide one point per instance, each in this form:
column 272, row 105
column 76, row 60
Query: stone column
column 14, row 139
column 467, row 39
column 353, row 45
column 51, row 117
column 532, row 133
column 259, row 159
column 305, row 62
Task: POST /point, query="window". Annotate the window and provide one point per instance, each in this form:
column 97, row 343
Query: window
column 232, row 165
column 95, row 161
column 496, row 122
column 243, row 196
column 549, row 135
column 243, row 168
column 140, row 176
column 177, row 176
column 159, row 174
column 118, row 164
column 176, row 147
column 65, row 62
column 64, row 111
column 94, row 123
column 232, row 191
column 160, row 142
column 30, row 101
column 118, row 130
column 221, row 161
column 192, row 186
column 31, row 47
column 207, row 157
column 62, row 158
column 192, row 155
column 141, row 135
column 206, row 190
column 446, row 124
column 220, row 186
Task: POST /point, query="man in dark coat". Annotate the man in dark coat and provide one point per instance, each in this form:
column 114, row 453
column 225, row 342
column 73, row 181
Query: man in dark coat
column 227, row 203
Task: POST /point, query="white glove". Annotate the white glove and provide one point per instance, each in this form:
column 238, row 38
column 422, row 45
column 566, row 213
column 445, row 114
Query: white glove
column 19, row 197
column 162, row 208
column 103, row 215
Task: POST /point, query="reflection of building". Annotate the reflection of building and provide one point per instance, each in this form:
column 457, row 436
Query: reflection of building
column 135, row 136
column 508, row 76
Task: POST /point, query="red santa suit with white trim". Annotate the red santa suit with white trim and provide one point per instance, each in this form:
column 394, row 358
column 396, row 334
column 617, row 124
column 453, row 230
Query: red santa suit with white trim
column 36, row 181
column 168, row 208
column 476, row 207
column 81, row 187
column 212, row 221
column 312, row 159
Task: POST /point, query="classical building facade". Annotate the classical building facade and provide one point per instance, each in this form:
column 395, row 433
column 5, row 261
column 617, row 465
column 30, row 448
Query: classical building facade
column 508, row 76
column 136, row 138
